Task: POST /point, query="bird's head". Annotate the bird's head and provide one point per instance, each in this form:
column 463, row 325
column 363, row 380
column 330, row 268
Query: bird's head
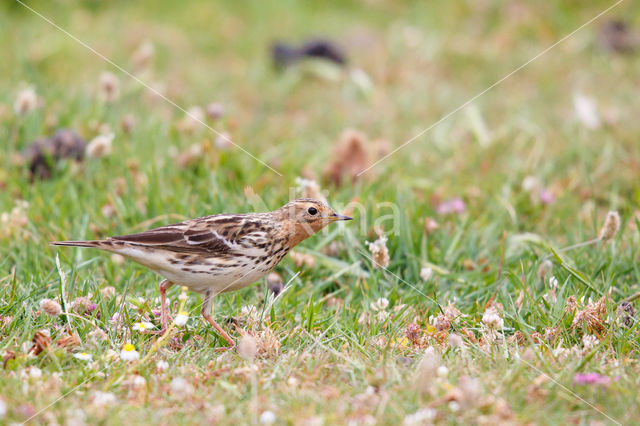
column 304, row 217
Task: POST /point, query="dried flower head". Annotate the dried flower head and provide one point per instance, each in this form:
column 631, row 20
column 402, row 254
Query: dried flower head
column 275, row 283
column 26, row 101
column 109, row 87
column 441, row 323
column 412, row 332
column 215, row 110
column 300, row 259
column 379, row 252
column 50, row 307
column 13, row 222
column 248, row 347
column 592, row 317
column 193, row 118
column 41, row 341
column 82, row 304
column 100, row 146
column 309, row 188
column 430, row 225
column 223, row 141
column 350, row 157
column 143, row 55
column 108, row 292
column 626, row 313
column 611, row 226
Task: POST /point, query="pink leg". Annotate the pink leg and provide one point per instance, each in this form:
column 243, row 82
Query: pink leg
column 164, row 315
column 206, row 314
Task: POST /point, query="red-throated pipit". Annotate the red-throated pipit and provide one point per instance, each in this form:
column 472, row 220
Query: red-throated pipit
column 219, row 253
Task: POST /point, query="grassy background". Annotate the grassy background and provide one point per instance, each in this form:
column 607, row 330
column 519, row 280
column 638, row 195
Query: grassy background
column 424, row 60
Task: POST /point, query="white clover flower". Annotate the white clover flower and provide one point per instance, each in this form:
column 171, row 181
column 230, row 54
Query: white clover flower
column 426, row 273
column 109, row 86
column 83, row 356
column 100, row 146
column 3, row 408
column 553, row 282
column 442, row 371
column 129, row 353
column 309, row 188
column 248, row 347
column 420, row 417
column 102, row 399
column 491, row 318
column 380, row 305
column 589, row 341
column 181, row 387
column 35, row 372
column 586, row 110
column 162, row 365
column 267, row 417
column 142, row 326
column 183, row 296
column 181, row 319
column 382, row 316
column 530, row 184
column 26, row 101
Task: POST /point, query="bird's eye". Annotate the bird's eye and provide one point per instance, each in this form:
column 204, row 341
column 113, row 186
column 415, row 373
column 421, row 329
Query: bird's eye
column 312, row 210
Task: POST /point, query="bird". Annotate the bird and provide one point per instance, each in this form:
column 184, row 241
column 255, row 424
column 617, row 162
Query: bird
column 219, row 253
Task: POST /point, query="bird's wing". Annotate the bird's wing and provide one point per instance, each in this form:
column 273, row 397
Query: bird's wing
column 218, row 235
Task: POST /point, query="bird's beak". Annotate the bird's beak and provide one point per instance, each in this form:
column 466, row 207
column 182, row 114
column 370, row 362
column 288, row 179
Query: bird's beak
column 337, row 216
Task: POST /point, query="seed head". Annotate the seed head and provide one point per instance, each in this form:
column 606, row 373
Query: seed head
column 100, row 146
column 248, row 347
column 109, row 86
column 379, row 252
column 611, row 226
column 26, row 101
column 50, row 307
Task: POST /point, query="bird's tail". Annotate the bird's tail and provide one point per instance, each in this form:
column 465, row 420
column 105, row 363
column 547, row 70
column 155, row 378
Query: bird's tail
column 93, row 244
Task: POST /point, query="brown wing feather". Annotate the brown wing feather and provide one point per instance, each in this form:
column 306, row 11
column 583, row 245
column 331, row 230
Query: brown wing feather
column 208, row 234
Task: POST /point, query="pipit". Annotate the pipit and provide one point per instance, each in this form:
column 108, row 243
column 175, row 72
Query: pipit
column 219, row 253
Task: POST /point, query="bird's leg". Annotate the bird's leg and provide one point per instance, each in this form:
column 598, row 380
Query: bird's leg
column 164, row 315
column 206, row 314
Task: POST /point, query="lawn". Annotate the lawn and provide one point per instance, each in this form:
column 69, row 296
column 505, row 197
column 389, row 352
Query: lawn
column 483, row 280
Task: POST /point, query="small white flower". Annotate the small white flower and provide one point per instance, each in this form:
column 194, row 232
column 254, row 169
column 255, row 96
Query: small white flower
column 162, row 365
column 589, row 341
column 181, row 387
column 530, row 184
column 181, row 319
column 138, row 381
column 491, row 318
column 100, row 146
column 420, row 417
column 248, row 347
column 3, row 408
column 442, row 371
column 553, row 282
column 267, row 417
column 586, row 110
column 183, row 296
column 382, row 316
column 83, row 356
column 380, row 305
column 35, row 373
column 102, row 399
column 26, row 101
column 223, row 141
column 142, row 326
column 129, row 353
column 109, row 86
column 426, row 273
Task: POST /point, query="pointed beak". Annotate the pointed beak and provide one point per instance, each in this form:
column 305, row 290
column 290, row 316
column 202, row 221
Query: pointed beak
column 337, row 216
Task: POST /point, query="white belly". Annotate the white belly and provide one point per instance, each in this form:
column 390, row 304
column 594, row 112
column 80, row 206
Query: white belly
column 209, row 275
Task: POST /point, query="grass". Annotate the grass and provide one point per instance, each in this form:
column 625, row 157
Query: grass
column 324, row 354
